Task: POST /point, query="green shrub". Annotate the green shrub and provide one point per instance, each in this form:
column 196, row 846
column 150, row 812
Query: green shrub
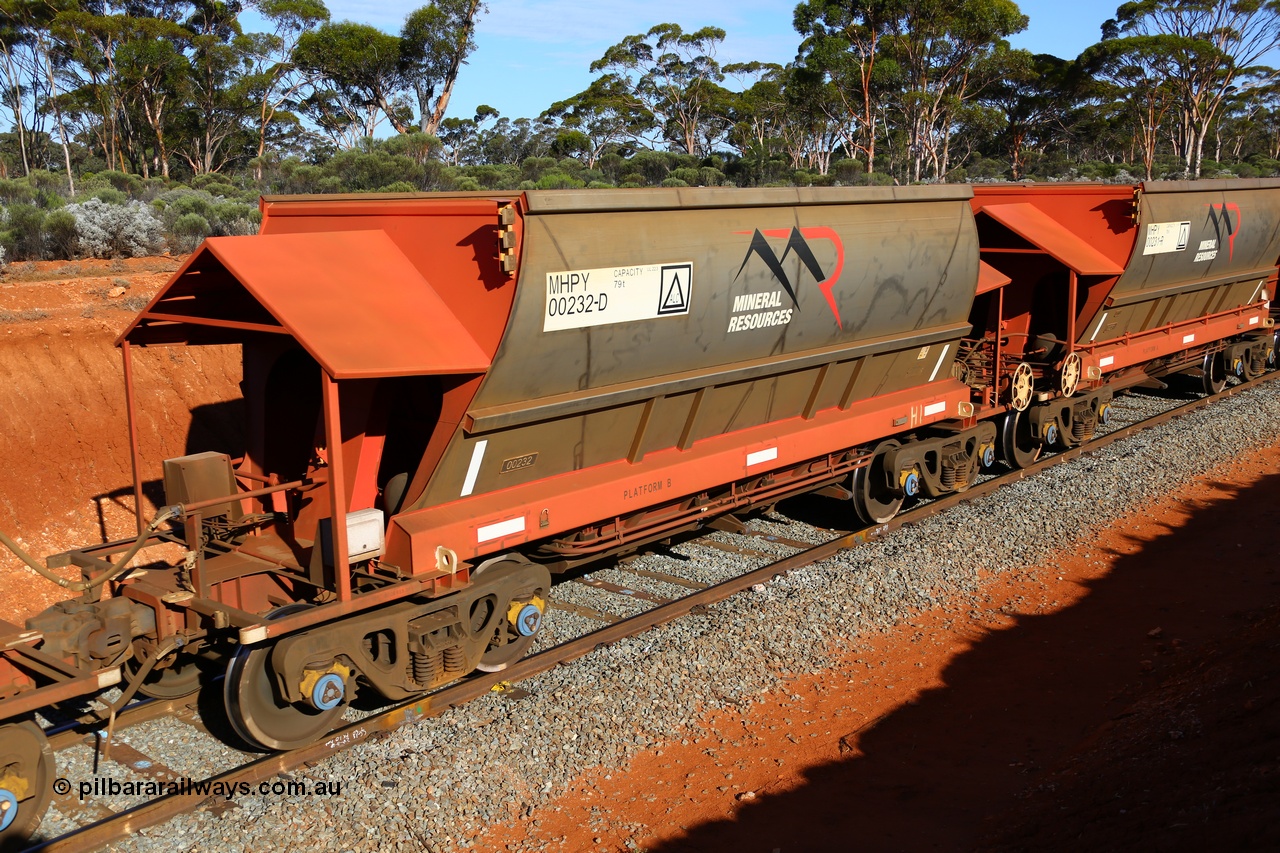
column 25, row 225
column 61, row 235
column 12, row 191
column 493, row 177
column 673, row 182
column 534, row 168
column 187, row 231
column 558, row 181
column 360, row 171
column 708, row 176
column 1266, row 166
column 110, row 195
column 122, row 181
column 398, row 187
column 689, row 177
column 41, row 179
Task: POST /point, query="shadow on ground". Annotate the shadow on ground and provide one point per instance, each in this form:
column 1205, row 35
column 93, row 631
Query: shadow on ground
column 951, row 771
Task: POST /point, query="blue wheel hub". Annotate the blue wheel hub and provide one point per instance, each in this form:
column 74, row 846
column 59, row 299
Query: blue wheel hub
column 328, row 691
column 529, row 621
column 8, row 808
column 911, row 485
column 1051, row 434
column 988, row 457
column 1104, row 415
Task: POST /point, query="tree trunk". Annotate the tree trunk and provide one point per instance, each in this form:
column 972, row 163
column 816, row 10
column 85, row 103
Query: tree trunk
column 62, row 130
column 451, row 76
column 11, row 73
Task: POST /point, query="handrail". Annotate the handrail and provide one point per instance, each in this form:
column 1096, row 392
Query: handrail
column 317, row 479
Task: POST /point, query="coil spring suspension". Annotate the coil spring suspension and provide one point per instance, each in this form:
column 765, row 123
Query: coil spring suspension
column 1083, row 425
column 956, row 468
column 454, row 660
column 427, row 667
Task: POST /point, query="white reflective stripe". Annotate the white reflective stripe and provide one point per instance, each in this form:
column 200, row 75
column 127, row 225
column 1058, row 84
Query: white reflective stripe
column 934, row 408
column 1253, row 321
column 941, row 356
column 502, row 528
column 1255, row 292
column 1107, row 362
column 767, row 455
column 256, row 634
column 1186, row 339
column 1098, row 328
column 108, row 677
column 473, row 470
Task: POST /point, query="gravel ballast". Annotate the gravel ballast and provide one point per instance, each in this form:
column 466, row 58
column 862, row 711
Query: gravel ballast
column 435, row 784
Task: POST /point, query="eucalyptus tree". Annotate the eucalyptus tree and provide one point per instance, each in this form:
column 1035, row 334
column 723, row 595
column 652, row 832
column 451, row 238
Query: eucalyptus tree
column 359, row 78
column 1203, row 50
column 843, row 41
column 761, row 116
column 221, row 101
column 276, row 82
column 674, row 76
column 19, row 64
column 460, row 137
column 155, row 74
column 605, row 115
column 1132, row 78
column 1033, row 95
column 817, row 121
column 435, row 42
column 941, row 47
column 86, row 44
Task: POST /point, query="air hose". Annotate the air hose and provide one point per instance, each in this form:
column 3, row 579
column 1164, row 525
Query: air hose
column 164, row 515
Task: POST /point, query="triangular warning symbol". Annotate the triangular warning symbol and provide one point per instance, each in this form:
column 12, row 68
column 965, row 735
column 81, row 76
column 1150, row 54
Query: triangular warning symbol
column 674, row 299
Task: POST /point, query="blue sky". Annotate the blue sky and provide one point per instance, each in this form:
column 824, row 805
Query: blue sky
column 532, row 53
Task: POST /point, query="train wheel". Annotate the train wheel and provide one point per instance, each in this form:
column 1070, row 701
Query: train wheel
column 518, row 619
column 257, row 711
column 1022, row 385
column 873, row 500
column 1019, row 446
column 1214, row 373
column 26, row 782
column 182, row 678
column 1069, row 377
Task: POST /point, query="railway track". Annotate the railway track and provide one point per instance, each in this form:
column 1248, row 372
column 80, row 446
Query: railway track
column 102, row 819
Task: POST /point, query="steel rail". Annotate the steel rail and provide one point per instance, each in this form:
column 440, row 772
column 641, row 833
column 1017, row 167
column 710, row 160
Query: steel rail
column 127, row 822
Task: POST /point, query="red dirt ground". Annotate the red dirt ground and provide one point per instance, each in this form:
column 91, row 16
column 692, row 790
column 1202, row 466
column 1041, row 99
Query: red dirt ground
column 1124, row 697
column 65, row 479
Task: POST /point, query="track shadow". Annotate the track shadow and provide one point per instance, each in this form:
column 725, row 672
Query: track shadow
column 939, row 773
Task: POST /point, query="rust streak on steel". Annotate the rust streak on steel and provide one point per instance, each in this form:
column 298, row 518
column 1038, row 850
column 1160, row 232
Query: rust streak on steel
column 147, row 814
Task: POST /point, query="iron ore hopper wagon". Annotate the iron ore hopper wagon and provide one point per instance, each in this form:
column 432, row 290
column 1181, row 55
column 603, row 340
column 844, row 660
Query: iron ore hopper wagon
column 450, row 398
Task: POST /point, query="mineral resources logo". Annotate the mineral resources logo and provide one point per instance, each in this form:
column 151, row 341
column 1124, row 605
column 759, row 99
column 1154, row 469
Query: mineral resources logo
column 759, row 304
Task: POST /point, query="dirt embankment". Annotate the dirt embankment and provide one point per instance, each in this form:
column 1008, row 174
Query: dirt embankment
column 65, row 478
